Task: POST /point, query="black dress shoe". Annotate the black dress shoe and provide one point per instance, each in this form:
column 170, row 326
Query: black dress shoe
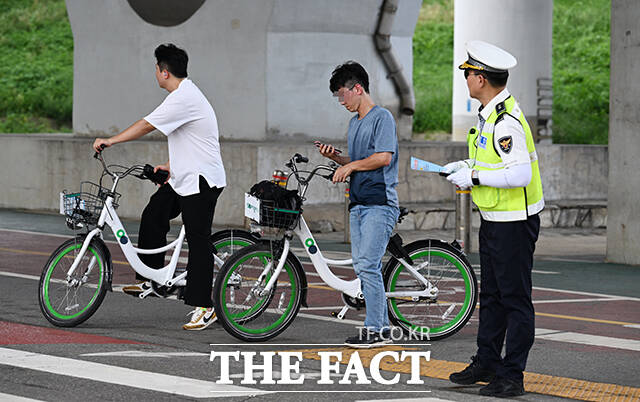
column 472, row 374
column 502, row 388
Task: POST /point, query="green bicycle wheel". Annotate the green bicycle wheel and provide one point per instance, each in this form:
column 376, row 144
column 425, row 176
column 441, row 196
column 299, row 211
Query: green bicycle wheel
column 440, row 316
column 244, row 309
column 69, row 301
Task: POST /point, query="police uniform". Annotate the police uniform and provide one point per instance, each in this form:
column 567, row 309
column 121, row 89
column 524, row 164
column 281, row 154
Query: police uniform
column 506, row 186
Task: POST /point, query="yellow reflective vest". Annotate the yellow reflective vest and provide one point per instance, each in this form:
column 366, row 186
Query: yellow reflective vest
column 504, row 204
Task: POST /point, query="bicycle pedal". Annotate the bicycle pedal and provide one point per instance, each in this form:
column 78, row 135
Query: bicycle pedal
column 340, row 315
column 147, row 293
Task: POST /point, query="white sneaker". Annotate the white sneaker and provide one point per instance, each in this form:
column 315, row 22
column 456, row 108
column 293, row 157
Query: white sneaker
column 200, row 319
column 135, row 290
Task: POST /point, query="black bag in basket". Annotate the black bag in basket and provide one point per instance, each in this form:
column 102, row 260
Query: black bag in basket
column 276, row 197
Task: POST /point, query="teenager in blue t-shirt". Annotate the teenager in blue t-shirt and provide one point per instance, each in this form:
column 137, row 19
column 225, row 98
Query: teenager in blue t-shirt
column 372, row 166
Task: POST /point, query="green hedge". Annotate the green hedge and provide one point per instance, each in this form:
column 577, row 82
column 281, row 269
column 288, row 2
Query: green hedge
column 36, row 73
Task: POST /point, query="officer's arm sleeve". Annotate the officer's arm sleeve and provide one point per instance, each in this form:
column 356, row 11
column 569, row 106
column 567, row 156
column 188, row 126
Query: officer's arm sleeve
column 512, row 177
column 510, row 143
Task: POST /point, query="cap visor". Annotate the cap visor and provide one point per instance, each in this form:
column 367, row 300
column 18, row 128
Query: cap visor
column 466, row 65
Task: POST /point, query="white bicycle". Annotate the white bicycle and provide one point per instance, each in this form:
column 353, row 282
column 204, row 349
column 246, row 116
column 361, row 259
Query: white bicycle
column 430, row 286
column 79, row 272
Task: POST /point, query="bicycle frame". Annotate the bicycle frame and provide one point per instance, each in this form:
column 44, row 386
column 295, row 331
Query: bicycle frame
column 163, row 276
column 320, row 263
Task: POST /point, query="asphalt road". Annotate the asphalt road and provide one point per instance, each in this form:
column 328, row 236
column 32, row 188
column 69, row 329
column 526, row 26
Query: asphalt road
column 587, row 344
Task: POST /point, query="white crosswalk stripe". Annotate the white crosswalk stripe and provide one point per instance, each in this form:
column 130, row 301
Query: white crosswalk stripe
column 175, row 385
column 586, row 339
column 15, row 398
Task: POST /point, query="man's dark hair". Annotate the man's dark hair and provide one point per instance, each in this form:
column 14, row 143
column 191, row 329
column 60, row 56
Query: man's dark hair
column 173, row 59
column 496, row 80
column 347, row 75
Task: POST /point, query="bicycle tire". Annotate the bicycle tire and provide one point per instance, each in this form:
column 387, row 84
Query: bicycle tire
column 228, row 241
column 68, row 305
column 258, row 317
column 445, row 267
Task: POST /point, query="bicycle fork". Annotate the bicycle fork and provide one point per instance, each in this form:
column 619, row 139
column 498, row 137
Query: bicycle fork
column 79, row 257
column 276, row 272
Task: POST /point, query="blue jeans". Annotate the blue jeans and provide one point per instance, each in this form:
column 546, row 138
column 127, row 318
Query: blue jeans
column 371, row 227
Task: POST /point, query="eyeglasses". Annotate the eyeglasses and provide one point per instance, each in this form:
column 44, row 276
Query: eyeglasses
column 341, row 97
column 467, row 73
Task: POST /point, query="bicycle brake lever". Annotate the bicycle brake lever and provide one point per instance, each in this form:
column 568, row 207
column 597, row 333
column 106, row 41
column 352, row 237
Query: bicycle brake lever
column 102, row 147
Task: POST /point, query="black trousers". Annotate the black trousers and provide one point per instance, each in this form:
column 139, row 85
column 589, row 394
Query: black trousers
column 197, row 215
column 506, row 310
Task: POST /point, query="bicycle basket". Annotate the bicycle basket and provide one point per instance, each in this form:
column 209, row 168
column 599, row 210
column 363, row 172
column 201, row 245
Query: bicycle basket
column 279, row 208
column 272, row 216
column 85, row 206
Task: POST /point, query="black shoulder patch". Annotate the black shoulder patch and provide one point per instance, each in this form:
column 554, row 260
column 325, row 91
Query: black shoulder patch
column 500, row 108
column 506, row 143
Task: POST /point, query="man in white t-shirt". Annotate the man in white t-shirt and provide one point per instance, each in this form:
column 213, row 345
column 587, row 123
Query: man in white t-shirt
column 196, row 180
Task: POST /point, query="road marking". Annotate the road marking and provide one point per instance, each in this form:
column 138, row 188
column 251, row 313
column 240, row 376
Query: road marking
column 69, row 236
column 122, row 376
column 560, row 259
column 16, row 398
column 576, row 292
column 142, row 353
column 533, row 382
column 590, row 340
column 601, row 299
column 346, row 321
column 406, row 400
column 18, row 251
column 570, row 317
column 538, row 271
column 17, row 275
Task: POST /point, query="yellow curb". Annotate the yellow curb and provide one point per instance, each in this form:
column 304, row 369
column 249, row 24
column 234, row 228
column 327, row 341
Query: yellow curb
column 537, row 383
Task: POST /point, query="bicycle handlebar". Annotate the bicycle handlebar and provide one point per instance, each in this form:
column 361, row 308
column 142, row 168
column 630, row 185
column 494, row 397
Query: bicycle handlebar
column 303, row 182
column 144, row 175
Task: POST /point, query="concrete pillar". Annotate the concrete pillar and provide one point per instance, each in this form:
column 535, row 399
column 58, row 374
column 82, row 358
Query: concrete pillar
column 623, row 223
column 263, row 64
column 521, row 27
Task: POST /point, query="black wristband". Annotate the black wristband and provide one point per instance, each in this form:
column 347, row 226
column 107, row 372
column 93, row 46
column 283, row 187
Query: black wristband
column 474, row 178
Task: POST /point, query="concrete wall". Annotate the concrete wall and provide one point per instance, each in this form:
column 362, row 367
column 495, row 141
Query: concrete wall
column 37, row 167
column 623, row 229
column 263, row 64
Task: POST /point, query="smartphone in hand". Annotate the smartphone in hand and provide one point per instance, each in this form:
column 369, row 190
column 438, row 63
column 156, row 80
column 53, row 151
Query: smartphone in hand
column 319, row 144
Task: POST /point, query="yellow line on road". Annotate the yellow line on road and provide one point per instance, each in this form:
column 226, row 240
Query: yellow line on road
column 570, row 317
column 441, row 369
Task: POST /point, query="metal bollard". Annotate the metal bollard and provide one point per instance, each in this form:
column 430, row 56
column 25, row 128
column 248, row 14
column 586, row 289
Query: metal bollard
column 347, row 230
column 463, row 219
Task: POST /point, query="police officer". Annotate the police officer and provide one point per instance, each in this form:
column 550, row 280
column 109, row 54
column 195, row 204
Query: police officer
column 502, row 172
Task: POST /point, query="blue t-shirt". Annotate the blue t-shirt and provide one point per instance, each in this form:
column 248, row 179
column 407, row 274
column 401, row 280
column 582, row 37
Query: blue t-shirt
column 376, row 132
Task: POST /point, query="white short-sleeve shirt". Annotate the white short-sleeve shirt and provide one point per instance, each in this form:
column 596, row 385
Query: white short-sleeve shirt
column 189, row 122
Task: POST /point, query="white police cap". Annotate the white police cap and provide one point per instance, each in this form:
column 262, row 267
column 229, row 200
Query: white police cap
column 484, row 56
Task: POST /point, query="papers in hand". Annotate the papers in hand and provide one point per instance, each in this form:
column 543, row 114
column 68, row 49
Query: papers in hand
column 419, row 164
